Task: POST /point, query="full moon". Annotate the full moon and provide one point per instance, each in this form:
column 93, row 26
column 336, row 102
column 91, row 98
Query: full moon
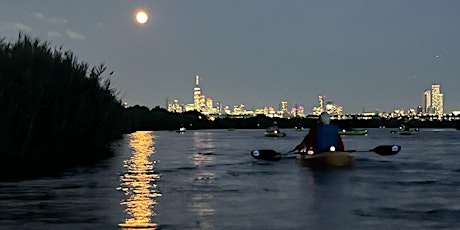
column 141, row 17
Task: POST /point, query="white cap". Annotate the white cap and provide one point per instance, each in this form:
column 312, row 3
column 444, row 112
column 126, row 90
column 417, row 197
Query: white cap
column 325, row 118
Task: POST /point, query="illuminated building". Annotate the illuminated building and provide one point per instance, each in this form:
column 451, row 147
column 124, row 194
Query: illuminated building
column 297, row 111
column 300, row 111
column 427, row 102
column 320, row 108
column 271, row 112
column 333, row 109
column 198, row 102
column 419, row 110
column 175, row 107
column 284, row 106
column 433, row 101
column 209, row 102
column 189, row 107
column 238, row 111
column 437, row 100
column 294, row 112
column 227, row 110
column 284, row 112
column 201, row 103
column 259, row 111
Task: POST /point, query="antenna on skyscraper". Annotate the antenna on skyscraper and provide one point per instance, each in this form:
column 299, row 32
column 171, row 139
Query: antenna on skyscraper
column 197, row 79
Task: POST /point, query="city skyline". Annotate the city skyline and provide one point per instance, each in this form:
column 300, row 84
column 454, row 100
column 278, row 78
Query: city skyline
column 432, row 103
column 364, row 55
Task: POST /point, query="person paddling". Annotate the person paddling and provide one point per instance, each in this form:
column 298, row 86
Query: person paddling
column 321, row 137
column 275, row 127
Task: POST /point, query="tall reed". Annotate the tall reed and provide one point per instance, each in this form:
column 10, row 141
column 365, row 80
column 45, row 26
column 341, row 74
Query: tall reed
column 52, row 106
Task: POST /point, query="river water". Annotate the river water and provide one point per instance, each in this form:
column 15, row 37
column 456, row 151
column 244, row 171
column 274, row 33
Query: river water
column 207, row 179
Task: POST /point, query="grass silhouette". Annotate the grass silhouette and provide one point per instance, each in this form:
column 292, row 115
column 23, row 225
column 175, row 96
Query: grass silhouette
column 53, row 108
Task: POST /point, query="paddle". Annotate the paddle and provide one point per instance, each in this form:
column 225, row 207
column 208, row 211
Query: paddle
column 266, row 154
column 383, row 150
column 272, row 155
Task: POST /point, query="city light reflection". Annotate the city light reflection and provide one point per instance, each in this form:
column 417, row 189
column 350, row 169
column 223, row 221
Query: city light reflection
column 202, row 201
column 138, row 183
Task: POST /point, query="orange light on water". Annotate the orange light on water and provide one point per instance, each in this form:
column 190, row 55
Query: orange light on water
column 137, row 183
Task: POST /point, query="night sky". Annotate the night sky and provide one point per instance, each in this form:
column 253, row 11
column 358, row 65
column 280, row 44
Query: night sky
column 361, row 54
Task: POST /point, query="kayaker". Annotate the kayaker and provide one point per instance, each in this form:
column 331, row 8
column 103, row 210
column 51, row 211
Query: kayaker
column 406, row 127
column 321, row 137
column 275, row 127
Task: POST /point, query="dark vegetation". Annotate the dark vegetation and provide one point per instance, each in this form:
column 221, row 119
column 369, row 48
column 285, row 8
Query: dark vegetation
column 57, row 112
column 54, row 110
column 142, row 118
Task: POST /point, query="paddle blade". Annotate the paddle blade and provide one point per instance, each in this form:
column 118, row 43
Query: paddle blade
column 386, row 150
column 266, row 154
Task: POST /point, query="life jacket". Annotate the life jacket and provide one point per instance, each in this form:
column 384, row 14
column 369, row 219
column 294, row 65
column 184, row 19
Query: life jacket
column 326, row 136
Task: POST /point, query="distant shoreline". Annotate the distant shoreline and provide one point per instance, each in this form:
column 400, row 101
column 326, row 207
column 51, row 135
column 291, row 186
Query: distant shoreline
column 160, row 119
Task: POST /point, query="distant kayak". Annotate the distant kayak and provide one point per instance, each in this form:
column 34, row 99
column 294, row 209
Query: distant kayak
column 181, row 130
column 406, row 132
column 326, row 159
column 274, row 131
column 360, row 132
column 275, row 134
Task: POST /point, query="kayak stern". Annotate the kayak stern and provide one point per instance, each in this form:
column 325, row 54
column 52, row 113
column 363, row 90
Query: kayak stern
column 326, row 159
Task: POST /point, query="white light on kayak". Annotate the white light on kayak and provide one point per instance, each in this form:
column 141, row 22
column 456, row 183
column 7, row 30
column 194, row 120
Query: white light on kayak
column 394, row 148
column 332, row 148
column 255, row 153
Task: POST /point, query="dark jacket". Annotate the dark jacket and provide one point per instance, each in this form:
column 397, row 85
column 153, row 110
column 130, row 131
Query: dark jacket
column 321, row 137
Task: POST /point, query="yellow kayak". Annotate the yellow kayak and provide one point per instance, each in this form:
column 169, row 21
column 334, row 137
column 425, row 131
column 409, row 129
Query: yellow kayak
column 326, row 159
column 331, row 159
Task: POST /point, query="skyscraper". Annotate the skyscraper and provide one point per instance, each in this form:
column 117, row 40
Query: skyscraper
column 198, row 97
column 317, row 110
column 437, row 100
column 433, row 101
column 427, row 102
column 284, row 106
column 284, row 109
